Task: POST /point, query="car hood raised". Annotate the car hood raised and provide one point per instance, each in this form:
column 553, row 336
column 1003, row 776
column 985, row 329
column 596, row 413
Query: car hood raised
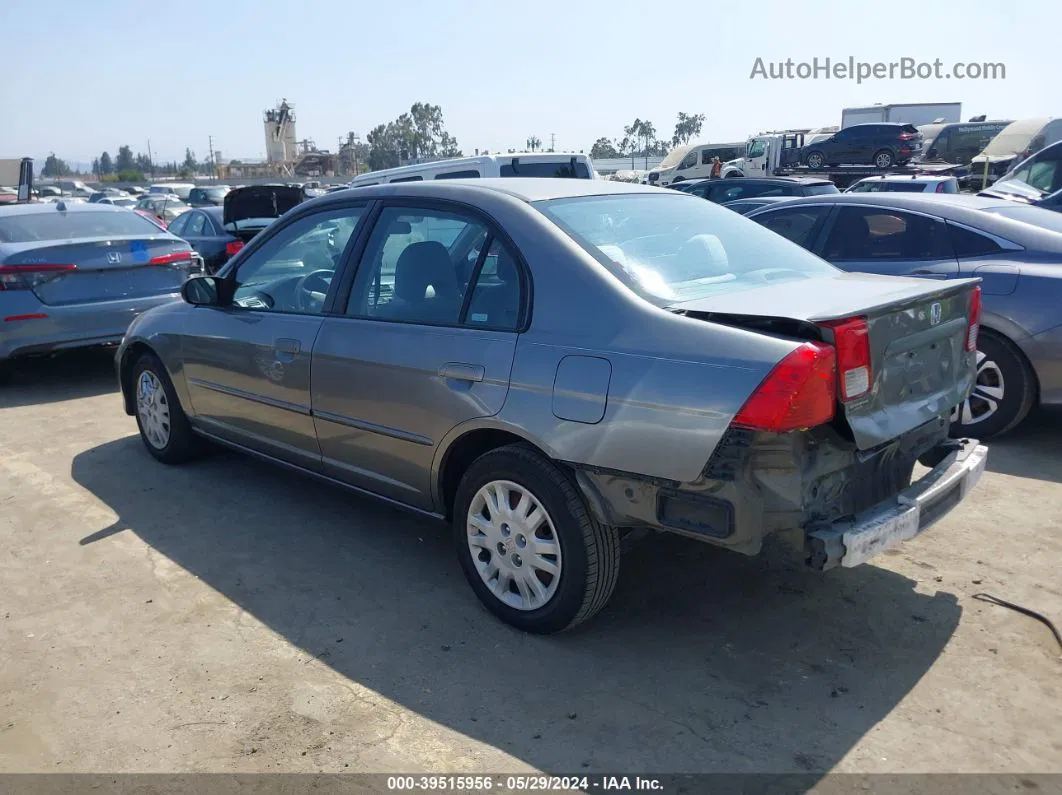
column 260, row 201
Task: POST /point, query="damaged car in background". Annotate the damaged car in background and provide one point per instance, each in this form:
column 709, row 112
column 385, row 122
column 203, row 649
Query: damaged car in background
column 552, row 365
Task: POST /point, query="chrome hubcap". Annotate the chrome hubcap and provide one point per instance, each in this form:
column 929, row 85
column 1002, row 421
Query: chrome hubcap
column 153, row 409
column 986, row 396
column 514, row 545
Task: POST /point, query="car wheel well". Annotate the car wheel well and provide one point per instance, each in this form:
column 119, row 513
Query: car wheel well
column 460, row 455
column 1019, row 354
column 130, row 356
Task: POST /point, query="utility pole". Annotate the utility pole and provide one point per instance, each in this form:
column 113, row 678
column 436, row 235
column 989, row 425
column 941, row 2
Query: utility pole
column 552, row 142
column 213, row 165
column 151, row 161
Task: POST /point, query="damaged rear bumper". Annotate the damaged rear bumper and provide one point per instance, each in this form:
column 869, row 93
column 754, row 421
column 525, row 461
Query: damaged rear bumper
column 887, row 524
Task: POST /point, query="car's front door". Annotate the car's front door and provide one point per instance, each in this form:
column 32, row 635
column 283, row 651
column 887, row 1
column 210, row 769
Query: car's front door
column 427, row 343
column 247, row 364
column 889, row 241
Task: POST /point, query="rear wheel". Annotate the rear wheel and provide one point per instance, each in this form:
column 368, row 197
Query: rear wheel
column 883, row 159
column 816, row 160
column 530, row 549
column 163, row 425
column 1003, row 393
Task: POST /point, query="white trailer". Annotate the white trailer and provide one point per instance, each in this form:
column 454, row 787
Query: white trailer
column 917, row 113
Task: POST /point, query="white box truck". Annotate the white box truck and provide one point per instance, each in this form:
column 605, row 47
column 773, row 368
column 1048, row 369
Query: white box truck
column 917, row 113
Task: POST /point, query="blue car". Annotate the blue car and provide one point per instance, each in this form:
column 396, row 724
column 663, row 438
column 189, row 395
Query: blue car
column 75, row 275
column 1015, row 249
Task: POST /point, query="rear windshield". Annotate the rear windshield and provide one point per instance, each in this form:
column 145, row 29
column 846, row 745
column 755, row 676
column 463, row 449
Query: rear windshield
column 1037, row 216
column 542, row 168
column 817, row 190
column 671, row 248
column 55, row 225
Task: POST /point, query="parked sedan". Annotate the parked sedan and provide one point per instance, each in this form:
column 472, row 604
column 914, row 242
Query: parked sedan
column 74, row 275
column 210, row 196
column 905, row 183
column 1016, row 250
column 547, row 363
column 164, row 207
column 204, row 230
column 722, row 191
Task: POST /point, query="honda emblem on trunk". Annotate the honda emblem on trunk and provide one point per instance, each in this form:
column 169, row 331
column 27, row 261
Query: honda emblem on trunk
column 114, row 257
column 934, row 314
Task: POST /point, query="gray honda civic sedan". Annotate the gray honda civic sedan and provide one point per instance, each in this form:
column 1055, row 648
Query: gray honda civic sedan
column 551, row 365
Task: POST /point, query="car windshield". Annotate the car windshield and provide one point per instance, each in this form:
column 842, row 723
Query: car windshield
column 672, row 248
column 1037, row 216
column 674, row 157
column 818, row 190
column 55, row 225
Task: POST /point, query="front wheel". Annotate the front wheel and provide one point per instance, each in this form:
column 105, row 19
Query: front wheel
column 1003, row 393
column 530, row 549
column 163, row 425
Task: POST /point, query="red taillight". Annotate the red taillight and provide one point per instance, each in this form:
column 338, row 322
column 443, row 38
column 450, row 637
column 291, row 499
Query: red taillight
column 26, row 277
column 172, row 259
column 907, row 136
column 975, row 320
column 233, row 246
column 851, row 337
column 800, row 392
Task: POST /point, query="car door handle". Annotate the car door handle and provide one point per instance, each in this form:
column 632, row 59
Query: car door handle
column 286, row 348
column 459, row 371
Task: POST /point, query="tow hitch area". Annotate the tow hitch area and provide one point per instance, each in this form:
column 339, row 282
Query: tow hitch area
column 854, row 541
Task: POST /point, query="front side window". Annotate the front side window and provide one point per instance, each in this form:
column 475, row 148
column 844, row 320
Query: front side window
column 757, row 149
column 415, row 269
column 293, row 270
column 672, row 248
column 689, row 162
column 865, row 233
column 1046, row 175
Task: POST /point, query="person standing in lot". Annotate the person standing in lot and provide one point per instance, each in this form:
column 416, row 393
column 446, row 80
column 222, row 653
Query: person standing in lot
column 717, row 167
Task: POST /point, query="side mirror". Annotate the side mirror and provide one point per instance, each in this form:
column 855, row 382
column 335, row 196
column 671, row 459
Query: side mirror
column 202, row 291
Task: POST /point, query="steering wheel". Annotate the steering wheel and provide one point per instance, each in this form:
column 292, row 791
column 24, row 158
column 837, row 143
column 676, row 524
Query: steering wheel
column 307, row 298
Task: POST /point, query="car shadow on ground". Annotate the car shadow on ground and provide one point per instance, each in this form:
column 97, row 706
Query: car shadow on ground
column 705, row 660
column 1032, row 449
column 53, row 379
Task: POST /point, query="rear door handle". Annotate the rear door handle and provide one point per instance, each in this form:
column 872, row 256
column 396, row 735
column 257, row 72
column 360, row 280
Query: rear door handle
column 459, row 371
column 286, row 348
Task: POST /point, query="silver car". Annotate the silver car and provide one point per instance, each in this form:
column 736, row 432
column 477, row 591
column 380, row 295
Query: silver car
column 74, row 275
column 550, row 365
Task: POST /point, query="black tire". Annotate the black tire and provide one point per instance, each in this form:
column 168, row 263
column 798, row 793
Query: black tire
column 182, row 444
column 815, row 160
column 886, row 158
column 1001, row 362
column 590, row 551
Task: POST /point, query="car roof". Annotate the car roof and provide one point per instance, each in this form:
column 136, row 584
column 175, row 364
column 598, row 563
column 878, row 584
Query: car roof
column 907, row 178
column 528, row 189
column 32, row 208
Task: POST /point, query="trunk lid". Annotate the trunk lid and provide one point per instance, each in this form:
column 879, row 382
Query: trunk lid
column 919, row 366
column 250, row 209
column 108, row 269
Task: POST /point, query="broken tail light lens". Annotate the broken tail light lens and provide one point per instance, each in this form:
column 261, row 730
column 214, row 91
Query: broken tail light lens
column 26, row 277
column 851, row 338
column 974, row 324
column 800, row 392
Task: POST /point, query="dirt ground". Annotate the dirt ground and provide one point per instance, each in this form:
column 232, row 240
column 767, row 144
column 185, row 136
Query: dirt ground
column 229, row 616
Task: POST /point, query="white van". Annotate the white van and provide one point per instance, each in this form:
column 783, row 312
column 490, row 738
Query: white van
column 693, row 161
column 571, row 165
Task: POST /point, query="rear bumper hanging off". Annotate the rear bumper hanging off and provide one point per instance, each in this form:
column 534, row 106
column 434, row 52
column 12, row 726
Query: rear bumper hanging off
column 889, row 523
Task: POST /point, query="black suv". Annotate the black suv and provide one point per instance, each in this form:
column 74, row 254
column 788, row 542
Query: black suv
column 722, row 191
column 881, row 145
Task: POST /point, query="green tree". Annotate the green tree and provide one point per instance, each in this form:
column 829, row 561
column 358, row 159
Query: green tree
column 687, row 127
column 131, row 175
column 54, row 167
column 96, row 167
column 603, row 148
column 414, row 135
column 143, row 163
column 124, row 161
column 190, row 163
column 106, row 166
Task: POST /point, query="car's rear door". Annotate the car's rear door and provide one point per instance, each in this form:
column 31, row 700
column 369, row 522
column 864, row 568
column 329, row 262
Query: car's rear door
column 247, row 364
column 882, row 239
column 426, row 343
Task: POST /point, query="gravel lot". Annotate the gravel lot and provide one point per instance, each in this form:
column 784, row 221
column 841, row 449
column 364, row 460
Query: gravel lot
column 229, row 616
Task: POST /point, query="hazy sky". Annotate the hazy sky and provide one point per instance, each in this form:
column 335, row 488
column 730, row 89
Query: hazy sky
column 80, row 77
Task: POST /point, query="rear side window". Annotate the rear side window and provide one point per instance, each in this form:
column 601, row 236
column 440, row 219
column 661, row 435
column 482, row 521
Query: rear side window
column 469, row 174
column 871, row 233
column 178, row 224
column 55, row 225
column 968, row 243
column 567, row 169
column 801, row 225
